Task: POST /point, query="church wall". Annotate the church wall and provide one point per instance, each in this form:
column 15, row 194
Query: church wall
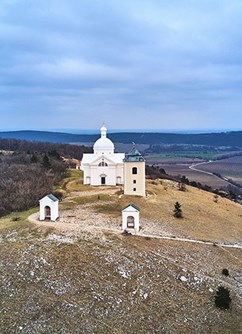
column 120, row 172
column 86, row 174
column 109, row 173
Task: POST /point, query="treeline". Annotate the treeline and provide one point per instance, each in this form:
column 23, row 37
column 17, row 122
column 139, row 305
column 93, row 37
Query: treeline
column 173, row 148
column 26, row 178
column 66, row 150
column 232, row 138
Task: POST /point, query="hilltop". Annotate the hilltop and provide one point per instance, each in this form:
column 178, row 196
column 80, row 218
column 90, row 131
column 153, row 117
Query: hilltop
column 81, row 275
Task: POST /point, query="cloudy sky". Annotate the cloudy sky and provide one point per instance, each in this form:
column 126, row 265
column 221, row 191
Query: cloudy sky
column 134, row 64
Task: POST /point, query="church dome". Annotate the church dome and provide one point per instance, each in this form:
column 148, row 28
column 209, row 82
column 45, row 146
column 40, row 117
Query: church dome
column 103, row 144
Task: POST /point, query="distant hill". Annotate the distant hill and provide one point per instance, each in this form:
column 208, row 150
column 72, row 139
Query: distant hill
column 233, row 138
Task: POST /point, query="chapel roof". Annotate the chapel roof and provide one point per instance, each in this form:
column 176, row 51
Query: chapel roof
column 52, row 197
column 131, row 205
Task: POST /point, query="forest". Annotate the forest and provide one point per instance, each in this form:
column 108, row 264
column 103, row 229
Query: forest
column 29, row 171
column 65, row 150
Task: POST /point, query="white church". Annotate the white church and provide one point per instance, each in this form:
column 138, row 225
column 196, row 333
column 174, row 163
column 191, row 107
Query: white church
column 104, row 167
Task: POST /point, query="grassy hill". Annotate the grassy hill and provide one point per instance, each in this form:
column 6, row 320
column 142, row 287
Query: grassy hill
column 81, row 275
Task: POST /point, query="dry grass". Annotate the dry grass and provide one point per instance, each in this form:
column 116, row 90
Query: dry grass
column 203, row 218
column 115, row 285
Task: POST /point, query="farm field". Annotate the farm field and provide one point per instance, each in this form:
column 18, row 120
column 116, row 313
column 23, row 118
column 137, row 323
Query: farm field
column 183, row 169
column 230, row 168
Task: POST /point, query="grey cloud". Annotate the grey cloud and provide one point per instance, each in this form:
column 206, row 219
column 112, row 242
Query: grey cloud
column 118, row 59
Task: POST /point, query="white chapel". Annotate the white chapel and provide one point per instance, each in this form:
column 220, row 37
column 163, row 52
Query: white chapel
column 103, row 167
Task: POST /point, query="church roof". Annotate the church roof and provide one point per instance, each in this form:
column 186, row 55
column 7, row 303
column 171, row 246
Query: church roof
column 103, row 143
column 134, row 155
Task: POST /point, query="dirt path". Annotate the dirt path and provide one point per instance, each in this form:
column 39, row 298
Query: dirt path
column 98, row 224
column 193, row 167
column 197, row 241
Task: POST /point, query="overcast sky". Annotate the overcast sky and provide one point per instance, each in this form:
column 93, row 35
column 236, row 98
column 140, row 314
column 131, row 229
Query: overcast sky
column 155, row 64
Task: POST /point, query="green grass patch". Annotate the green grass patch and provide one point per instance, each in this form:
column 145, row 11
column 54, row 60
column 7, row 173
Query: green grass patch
column 109, row 208
column 16, row 219
column 72, row 175
column 92, row 199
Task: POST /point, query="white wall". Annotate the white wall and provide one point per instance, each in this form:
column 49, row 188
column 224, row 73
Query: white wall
column 54, row 207
column 130, row 212
column 92, row 174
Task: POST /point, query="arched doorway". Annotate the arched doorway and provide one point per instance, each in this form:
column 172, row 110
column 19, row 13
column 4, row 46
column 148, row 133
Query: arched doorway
column 47, row 212
column 130, row 222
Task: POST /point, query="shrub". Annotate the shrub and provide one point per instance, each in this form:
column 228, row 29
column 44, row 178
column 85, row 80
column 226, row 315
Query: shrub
column 225, row 272
column 222, row 298
column 177, row 210
column 15, row 219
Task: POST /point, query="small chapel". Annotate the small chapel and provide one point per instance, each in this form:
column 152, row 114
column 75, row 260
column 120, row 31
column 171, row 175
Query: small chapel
column 105, row 167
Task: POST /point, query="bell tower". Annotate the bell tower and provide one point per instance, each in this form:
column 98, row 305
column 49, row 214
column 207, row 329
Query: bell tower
column 134, row 173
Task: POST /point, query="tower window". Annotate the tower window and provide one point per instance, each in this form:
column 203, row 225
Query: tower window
column 134, row 189
column 134, row 170
column 134, row 181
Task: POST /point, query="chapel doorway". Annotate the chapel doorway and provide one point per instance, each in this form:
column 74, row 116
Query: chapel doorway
column 103, row 180
column 47, row 212
column 130, row 222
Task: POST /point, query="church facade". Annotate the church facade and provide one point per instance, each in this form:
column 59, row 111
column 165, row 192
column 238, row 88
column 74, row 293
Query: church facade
column 105, row 167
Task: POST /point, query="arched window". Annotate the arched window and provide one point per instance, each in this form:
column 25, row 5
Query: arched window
column 134, row 170
column 102, row 164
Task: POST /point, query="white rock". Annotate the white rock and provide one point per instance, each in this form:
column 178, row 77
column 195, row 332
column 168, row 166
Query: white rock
column 183, row 279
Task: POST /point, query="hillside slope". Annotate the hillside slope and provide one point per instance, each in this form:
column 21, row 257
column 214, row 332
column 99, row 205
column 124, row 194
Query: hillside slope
column 81, row 275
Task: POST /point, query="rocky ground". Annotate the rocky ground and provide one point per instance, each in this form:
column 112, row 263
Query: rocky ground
column 53, row 283
column 82, row 275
